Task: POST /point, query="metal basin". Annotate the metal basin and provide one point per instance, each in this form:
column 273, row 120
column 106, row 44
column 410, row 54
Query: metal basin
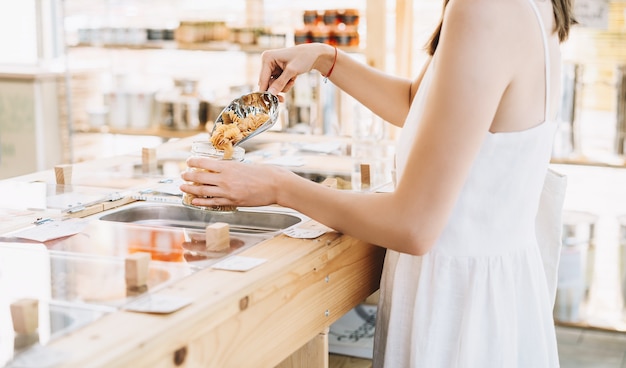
column 242, row 221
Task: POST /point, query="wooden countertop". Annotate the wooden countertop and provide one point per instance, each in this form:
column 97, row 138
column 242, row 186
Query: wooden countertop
column 277, row 312
column 256, row 318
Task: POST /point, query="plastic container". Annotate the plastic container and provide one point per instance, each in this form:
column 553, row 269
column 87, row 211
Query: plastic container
column 622, row 257
column 575, row 265
column 206, row 149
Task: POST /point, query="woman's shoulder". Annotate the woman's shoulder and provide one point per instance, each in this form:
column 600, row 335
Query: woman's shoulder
column 489, row 12
column 497, row 22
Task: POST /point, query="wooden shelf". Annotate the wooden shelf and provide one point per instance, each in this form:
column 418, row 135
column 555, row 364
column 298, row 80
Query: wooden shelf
column 196, row 46
column 588, row 326
column 618, row 163
column 154, row 131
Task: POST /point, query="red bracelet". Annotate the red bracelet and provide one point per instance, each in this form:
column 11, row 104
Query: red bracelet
column 331, row 67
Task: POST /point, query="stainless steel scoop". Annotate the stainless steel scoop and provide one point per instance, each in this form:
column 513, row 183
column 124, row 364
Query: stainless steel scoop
column 251, row 104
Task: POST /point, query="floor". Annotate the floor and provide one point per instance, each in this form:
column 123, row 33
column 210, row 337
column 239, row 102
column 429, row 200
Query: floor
column 577, row 349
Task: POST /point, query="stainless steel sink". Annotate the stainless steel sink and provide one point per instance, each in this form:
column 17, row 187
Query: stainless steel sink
column 167, row 215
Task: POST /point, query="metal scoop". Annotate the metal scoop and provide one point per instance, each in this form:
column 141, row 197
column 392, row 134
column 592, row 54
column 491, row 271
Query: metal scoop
column 251, row 104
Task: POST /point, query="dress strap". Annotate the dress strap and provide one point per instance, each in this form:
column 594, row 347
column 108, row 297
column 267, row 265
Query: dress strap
column 546, row 58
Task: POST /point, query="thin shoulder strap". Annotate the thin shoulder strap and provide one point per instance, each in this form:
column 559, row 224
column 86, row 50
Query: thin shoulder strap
column 546, row 58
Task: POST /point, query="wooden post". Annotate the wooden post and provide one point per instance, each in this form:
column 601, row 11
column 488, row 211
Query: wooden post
column 217, row 237
column 136, row 268
column 63, row 174
column 366, row 180
column 313, row 354
column 149, row 161
column 25, row 316
column 376, row 49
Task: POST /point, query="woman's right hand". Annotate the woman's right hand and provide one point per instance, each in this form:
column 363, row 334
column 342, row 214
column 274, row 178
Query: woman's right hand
column 280, row 67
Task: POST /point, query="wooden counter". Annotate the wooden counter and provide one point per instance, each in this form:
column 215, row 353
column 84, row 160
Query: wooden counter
column 276, row 314
column 256, row 318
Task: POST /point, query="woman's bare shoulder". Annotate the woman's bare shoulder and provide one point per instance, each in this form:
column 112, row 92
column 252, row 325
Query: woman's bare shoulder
column 503, row 16
column 496, row 28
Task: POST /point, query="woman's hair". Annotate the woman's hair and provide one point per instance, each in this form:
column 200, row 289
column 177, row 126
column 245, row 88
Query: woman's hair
column 563, row 20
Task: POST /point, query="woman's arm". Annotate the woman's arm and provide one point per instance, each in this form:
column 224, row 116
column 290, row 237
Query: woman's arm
column 387, row 96
column 472, row 70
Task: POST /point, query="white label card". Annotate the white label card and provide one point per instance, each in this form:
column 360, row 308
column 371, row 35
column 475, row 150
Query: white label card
column 238, row 263
column 308, row 230
column 52, row 230
column 157, row 303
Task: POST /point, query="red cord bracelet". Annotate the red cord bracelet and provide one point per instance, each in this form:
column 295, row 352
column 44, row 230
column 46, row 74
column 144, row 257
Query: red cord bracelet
column 331, row 67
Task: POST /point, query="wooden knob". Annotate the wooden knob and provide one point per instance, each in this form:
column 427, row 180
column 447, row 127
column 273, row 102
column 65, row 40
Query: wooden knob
column 25, row 316
column 365, row 176
column 136, row 269
column 217, row 237
column 63, row 174
column 148, row 159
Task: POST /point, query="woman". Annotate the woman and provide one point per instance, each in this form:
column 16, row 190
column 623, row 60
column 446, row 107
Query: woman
column 463, row 283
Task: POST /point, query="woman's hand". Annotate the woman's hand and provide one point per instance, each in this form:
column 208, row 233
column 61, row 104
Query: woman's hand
column 231, row 183
column 280, row 67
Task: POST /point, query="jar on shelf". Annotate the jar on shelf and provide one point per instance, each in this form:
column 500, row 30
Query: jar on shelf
column 342, row 37
column 206, row 149
column 622, row 258
column 576, row 265
column 302, row 35
column 311, row 17
column 354, row 36
column 331, row 17
column 350, row 17
column 320, row 34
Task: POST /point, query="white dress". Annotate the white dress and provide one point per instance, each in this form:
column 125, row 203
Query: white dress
column 479, row 298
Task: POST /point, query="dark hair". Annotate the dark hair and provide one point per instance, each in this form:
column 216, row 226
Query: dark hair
column 563, row 20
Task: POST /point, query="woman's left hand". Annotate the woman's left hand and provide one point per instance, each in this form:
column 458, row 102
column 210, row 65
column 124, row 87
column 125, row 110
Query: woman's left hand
column 231, row 183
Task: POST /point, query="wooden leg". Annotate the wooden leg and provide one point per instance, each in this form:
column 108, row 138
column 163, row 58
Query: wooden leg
column 314, row 354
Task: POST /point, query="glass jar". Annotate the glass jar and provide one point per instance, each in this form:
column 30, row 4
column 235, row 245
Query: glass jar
column 206, row 149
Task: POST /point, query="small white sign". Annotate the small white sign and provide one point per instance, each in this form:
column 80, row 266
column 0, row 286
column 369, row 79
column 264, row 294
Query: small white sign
column 308, row 230
column 52, row 230
column 238, row 263
column 157, row 303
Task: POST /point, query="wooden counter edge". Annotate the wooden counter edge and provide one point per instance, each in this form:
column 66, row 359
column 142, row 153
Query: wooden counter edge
column 257, row 318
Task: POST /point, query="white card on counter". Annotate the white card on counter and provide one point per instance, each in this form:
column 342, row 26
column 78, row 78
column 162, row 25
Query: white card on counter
column 299, row 233
column 157, row 303
column 52, row 230
column 308, row 230
column 238, row 263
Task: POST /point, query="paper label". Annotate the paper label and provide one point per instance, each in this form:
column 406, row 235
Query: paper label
column 52, row 230
column 307, row 230
column 157, row 303
column 238, row 263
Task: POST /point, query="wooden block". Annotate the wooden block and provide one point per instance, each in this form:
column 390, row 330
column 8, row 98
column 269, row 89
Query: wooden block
column 63, row 174
column 365, row 176
column 148, row 160
column 25, row 316
column 136, row 269
column 217, row 236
